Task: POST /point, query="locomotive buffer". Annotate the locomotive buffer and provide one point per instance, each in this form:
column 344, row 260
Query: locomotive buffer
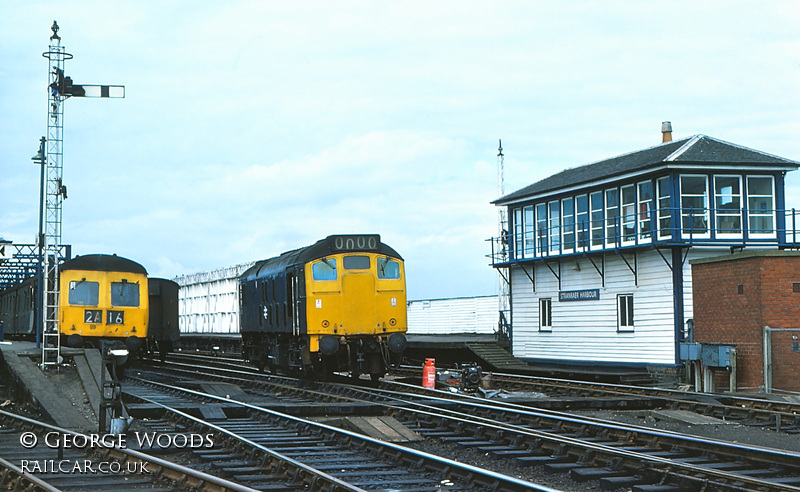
column 54, row 193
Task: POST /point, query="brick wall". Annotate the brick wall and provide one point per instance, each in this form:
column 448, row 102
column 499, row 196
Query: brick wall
column 735, row 297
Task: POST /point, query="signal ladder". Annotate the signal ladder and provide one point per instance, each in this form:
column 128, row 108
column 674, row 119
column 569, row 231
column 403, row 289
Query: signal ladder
column 53, row 197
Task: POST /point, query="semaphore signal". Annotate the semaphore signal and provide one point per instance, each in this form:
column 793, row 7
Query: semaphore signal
column 54, row 192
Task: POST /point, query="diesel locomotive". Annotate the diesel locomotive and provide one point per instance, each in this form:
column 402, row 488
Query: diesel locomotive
column 338, row 305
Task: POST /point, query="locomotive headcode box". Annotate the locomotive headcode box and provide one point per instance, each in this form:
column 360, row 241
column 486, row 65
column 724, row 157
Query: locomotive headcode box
column 369, row 242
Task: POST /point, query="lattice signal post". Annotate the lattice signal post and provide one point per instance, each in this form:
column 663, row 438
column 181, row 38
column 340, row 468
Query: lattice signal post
column 502, row 229
column 59, row 89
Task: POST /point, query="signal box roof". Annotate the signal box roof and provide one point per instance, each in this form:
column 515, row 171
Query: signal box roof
column 699, row 150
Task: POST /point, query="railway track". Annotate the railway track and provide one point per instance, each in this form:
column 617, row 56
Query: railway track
column 41, row 457
column 269, row 450
column 778, row 415
column 616, row 455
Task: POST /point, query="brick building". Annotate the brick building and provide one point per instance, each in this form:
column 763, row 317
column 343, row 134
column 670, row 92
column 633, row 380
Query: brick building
column 735, row 298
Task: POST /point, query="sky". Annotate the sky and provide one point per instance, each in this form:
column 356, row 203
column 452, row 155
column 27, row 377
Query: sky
column 250, row 128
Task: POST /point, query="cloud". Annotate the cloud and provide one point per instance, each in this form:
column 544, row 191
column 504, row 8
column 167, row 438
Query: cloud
column 250, row 128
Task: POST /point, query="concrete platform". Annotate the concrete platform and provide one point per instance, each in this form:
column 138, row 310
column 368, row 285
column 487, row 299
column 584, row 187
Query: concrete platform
column 460, row 348
column 449, row 340
column 31, row 384
column 494, row 355
column 19, row 346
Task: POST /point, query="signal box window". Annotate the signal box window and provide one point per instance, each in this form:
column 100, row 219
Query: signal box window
column 628, row 213
column 388, row 269
column 83, row 293
column 596, row 204
column 760, row 205
column 545, row 315
column 582, row 217
column 625, row 312
column 664, row 212
column 358, row 262
column 727, row 199
column 124, row 294
column 324, row 270
column 694, row 205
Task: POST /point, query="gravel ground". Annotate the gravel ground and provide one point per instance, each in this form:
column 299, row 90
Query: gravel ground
column 537, row 475
column 68, row 383
column 725, row 432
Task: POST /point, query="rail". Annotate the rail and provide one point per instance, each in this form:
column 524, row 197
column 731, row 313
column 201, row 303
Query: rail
column 781, row 416
column 178, row 476
column 468, row 475
column 542, row 436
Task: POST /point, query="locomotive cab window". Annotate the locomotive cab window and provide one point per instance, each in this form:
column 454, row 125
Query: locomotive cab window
column 124, row 294
column 83, row 293
column 325, row 269
column 356, row 262
column 388, row 269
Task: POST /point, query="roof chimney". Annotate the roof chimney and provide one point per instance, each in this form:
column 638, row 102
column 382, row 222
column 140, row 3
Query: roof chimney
column 666, row 131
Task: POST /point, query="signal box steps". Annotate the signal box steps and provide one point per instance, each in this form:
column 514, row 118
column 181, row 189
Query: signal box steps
column 497, row 357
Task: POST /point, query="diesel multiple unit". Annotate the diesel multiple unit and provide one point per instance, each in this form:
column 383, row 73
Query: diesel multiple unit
column 102, row 298
column 337, row 305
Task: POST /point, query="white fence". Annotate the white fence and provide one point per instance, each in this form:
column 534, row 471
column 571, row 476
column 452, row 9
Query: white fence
column 455, row 315
column 208, row 301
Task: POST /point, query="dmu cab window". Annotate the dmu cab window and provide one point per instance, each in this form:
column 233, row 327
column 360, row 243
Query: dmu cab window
column 83, row 293
column 388, row 269
column 124, row 294
column 356, row 262
column 325, row 269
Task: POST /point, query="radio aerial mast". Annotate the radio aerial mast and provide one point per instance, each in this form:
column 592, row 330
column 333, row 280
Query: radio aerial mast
column 54, row 193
